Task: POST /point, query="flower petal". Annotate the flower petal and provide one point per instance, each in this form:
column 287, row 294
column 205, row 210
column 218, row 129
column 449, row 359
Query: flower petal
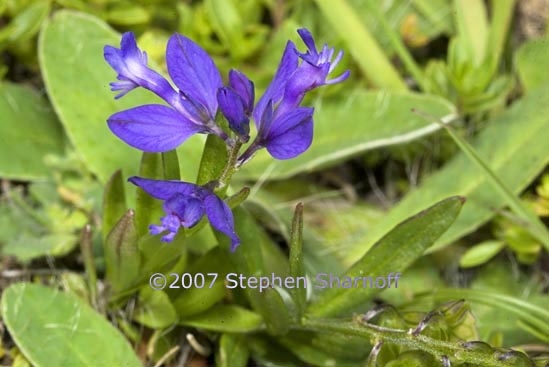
column 131, row 65
column 306, row 78
column 188, row 208
column 164, row 190
column 309, row 41
column 232, row 107
column 290, row 134
column 221, row 218
column 275, row 91
column 244, row 87
column 193, row 71
column 152, row 128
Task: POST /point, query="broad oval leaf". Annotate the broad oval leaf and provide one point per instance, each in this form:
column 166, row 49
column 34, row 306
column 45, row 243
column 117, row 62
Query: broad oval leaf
column 28, row 132
column 54, row 329
column 70, row 52
column 342, row 129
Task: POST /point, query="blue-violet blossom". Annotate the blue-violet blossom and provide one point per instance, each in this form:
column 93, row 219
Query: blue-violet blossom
column 184, row 205
column 285, row 128
column 192, row 109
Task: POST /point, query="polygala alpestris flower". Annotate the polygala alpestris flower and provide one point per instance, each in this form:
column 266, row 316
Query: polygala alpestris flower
column 192, row 108
column 184, row 205
column 285, row 128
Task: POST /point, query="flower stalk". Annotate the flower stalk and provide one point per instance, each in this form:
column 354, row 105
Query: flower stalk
column 230, row 168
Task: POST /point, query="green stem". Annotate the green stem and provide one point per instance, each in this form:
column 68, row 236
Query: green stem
column 86, row 247
column 437, row 348
column 230, row 168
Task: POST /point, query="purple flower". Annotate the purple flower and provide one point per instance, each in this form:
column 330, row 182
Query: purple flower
column 284, row 128
column 191, row 110
column 244, row 88
column 236, row 101
column 184, row 205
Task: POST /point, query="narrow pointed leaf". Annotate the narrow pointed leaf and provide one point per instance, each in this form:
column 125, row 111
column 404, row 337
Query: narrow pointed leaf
column 395, row 252
column 148, row 210
column 214, row 158
column 519, row 156
column 532, row 222
column 170, row 165
column 481, row 253
column 114, row 202
column 86, row 248
column 297, row 269
column 122, row 258
column 275, row 312
column 225, row 318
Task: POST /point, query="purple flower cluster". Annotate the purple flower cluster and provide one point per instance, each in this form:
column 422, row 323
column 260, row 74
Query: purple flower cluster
column 284, row 127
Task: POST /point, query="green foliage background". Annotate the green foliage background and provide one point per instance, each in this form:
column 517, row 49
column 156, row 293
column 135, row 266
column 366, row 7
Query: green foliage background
column 382, row 190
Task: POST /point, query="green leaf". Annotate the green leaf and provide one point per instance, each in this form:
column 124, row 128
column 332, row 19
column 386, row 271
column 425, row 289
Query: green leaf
column 369, row 120
column 274, row 311
column 127, row 15
column 154, row 309
column 170, row 165
column 305, row 347
column 70, row 51
column 472, row 25
column 518, row 157
column 531, row 220
column 502, row 12
column 395, row 252
column 114, row 203
column 233, row 351
column 148, row 210
column 257, row 256
column 227, row 23
column 44, row 321
column 366, row 52
column 481, row 253
column 225, row 318
column 213, row 160
column 25, row 24
column 160, row 257
column 29, row 246
column 531, row 59
column 28, row 132
column 196, row 300
column 297, row 268
column 121, row 253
